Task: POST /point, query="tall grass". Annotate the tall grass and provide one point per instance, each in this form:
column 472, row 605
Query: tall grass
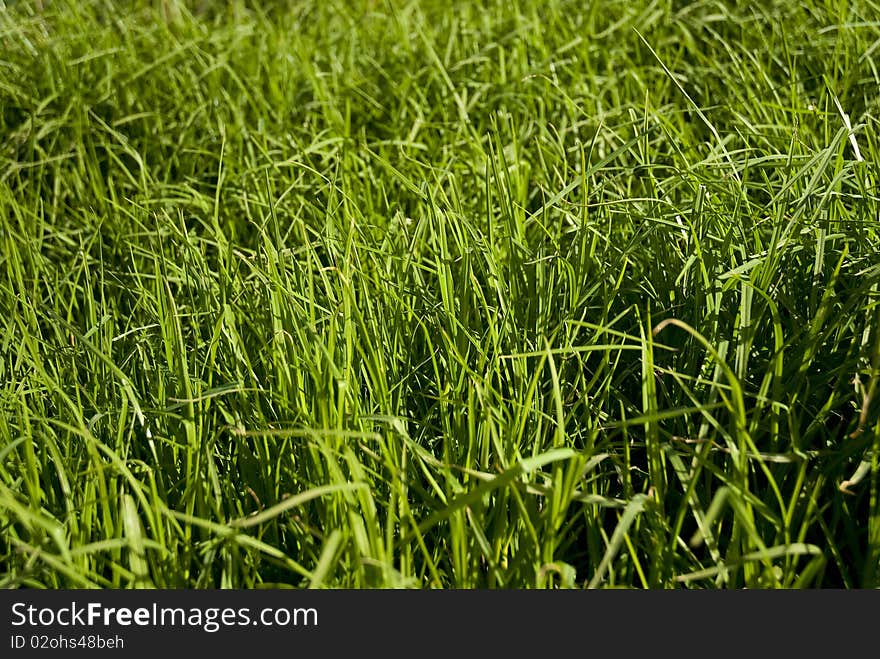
column 411, row 294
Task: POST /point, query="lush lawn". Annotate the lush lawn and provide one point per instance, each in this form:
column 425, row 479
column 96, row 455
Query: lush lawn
column 429, row 294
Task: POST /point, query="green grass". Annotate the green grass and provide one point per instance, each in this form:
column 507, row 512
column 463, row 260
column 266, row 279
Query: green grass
column 398, row 293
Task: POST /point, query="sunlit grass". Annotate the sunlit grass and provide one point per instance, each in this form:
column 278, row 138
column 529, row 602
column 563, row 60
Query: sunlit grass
column 420, row 294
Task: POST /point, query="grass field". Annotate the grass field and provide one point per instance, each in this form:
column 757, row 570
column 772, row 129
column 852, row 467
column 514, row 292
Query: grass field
column 398, row 293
